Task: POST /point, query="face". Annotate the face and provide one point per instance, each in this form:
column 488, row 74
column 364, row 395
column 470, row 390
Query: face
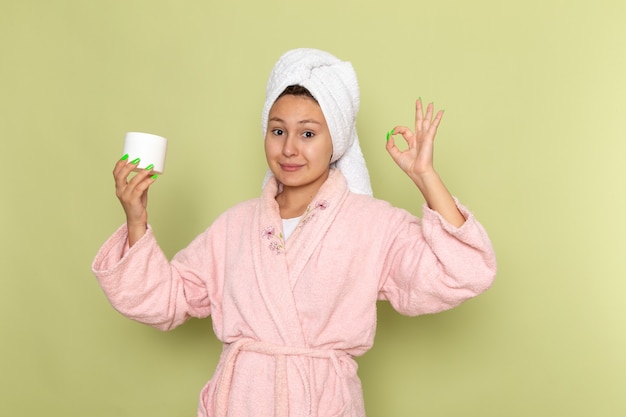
column 298, row 146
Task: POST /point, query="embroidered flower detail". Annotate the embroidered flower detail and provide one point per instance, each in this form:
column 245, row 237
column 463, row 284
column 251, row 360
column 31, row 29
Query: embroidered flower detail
column 311, row 211
column 276, row 240
column 268, row 232
column 276, row 247
column 322, row 204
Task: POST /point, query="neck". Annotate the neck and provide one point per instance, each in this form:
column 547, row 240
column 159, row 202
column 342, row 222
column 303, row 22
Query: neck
column 292, row 202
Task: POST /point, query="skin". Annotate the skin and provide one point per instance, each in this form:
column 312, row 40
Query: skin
column 298, row 150
column 417, row 162
column 133, row 195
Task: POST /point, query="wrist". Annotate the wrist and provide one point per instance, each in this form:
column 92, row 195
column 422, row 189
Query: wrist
column 425, row 180
column 136, row 230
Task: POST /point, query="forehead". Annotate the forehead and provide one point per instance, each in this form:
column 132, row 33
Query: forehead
column 292, row 105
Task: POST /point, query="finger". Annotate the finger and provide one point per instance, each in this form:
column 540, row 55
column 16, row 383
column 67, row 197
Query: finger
column 140, row 184
column 393, row 150
column 136, row 191
column 419, row 114
column 122, row 171
column 125, row 164
column 142, row 175
column 426, row 122
column 119, row 165
column 406, row 133
column 436, row 121
column 401, row 130
column 429, row 112
column 401, row 158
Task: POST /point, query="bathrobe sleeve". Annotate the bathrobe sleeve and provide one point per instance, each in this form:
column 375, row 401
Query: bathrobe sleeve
column 432, row 266
column 143, row 285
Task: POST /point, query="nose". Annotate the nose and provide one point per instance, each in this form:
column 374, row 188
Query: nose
column 289, row 146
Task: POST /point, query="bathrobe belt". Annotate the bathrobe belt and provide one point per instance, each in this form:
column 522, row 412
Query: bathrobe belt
column 280, row 353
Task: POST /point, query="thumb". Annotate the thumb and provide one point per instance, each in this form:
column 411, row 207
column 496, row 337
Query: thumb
column 393, row 150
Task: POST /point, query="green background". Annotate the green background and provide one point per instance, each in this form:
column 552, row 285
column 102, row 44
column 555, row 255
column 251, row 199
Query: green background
column 532, row 141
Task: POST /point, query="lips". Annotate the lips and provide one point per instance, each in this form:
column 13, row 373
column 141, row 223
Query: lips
column 290, row 167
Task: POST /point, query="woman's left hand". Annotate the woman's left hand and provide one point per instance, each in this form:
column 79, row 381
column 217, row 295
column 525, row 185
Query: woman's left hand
column 417, row 160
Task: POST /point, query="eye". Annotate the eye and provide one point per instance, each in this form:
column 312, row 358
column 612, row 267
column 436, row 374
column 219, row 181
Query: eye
column 277, row 132
column 308, row 134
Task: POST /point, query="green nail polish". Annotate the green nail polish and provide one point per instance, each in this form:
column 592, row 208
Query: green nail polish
column 155, row 176
column 389, row 134
column 125, row 157
column 149, row 167
column 135, row 161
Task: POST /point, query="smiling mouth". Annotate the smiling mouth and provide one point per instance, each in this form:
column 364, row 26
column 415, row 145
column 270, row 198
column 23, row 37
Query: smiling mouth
column 290, row 167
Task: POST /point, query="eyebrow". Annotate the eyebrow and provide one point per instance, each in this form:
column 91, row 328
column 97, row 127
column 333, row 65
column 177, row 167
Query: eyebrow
column 305, row 121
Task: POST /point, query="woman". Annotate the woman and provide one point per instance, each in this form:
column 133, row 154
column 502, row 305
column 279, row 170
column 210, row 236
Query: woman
column 291, row 279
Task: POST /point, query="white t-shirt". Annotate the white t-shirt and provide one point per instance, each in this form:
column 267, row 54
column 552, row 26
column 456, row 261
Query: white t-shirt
column 289, row 225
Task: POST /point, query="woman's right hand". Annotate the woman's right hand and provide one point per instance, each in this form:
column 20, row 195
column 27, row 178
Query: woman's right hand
column 133, row 195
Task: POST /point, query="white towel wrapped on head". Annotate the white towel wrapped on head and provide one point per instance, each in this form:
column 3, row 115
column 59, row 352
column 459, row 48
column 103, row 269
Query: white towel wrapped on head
column 334, row 85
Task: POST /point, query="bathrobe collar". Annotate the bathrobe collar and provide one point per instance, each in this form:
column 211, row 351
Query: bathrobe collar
column 279, row 264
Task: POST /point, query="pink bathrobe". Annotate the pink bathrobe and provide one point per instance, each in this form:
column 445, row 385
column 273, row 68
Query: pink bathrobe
column 293, row 314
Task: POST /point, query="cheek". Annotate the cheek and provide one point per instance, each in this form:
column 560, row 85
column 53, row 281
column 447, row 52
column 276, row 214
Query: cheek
column 321, row 154
column 267, row 145
column 268, row 151
column 329, row 150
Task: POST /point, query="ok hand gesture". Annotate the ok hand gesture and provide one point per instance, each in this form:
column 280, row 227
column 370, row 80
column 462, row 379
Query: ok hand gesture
column 417, row 160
